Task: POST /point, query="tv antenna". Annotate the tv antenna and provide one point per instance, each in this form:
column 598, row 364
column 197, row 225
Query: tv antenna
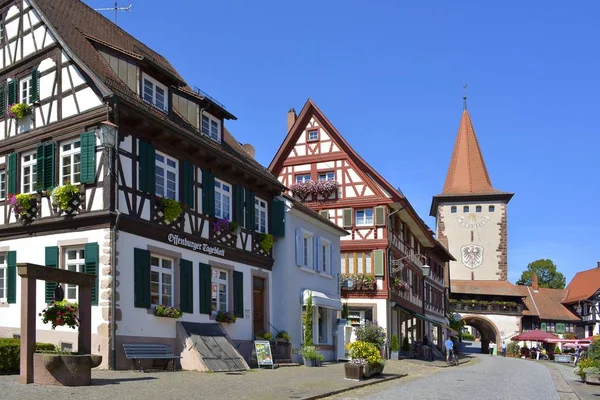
column 116, row 9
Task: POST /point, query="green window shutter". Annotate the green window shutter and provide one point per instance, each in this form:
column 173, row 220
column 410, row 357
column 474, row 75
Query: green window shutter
column 560, row 327
column 187, row 191
column 35, row 85
column 12, row 173
column 250, row 210
column 186, row 286
column 11, row 277
column 92, row 254
column 238, row 294
column 208, row 193
column 52, row 262
column 238, row 204
column 40, row 167
column 88, row 157
column 48, row 170
column 2, row 102
column 378, row 262
column 379, row 216
column 141, row 278
column 205, row 276
column 347, row 214
column 543, row 326
column 12, row 92
column 147, row 163
column 278, row 218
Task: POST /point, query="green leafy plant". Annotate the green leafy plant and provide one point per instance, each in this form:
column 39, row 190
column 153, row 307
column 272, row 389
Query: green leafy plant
column 21, row 203
column 19, row 110
column 345, row 311
column 166, row 311
column 405, row 345
column 171, row 209
column 283, row 335
column 234, row 227
column 10, row 354
column 467, row 336
column 60, row 313
column 311, row 353
column 228, row 317
column 267, row 336
column 370, row 332
column 512, row 348
column 62, row 195
column 394, row 343
column 308, row 321
column 584, row 364
column 266, row 241
column 557, row 350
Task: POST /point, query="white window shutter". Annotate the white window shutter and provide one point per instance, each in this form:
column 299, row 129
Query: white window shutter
column 315, row 260
column 319, row 265
column 329, row 269
column 299, row 248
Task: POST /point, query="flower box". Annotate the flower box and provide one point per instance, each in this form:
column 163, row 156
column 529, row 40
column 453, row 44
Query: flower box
column 354, row 371
column 167, row 312
column 227, row 317
column 593, row 379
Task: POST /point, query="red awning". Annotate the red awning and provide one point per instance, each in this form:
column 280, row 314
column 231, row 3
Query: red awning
column 575, row 341
column 534, row 336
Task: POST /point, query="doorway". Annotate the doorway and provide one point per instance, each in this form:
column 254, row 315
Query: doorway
column 258, row 305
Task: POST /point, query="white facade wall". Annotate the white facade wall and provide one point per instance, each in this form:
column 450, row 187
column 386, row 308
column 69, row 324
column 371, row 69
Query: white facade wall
column 291, row 280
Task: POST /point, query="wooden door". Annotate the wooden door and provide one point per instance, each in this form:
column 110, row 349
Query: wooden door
column 258, row 303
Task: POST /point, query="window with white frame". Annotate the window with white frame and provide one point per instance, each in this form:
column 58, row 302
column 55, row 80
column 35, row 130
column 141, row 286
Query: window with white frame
column 364, row 217
column 74, row 259
column 302, row 178
column 155, row 93
column 313, row 135
column 2, row 185
column 70, row 162
column 307, row 249
column 161, row 280
column 29, row 172
column 322, row 325
column 25, row 90
column 326, row 256
column 166, row 176
column 220, row 283
column 326, row 176
column 211, row 127
column 260, row 215
column 222, row 199
column 3, row 277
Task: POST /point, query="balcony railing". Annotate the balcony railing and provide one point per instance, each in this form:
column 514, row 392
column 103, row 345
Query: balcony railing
column 489, row 308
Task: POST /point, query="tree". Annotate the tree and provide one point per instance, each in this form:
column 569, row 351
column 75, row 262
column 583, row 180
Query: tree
column 548, row 275
column 308, row 321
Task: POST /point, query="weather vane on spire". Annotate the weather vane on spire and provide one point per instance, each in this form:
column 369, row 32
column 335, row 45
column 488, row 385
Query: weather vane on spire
column 465, row 96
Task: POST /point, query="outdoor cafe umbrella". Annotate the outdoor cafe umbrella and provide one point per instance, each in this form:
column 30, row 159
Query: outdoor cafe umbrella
column 534, row 336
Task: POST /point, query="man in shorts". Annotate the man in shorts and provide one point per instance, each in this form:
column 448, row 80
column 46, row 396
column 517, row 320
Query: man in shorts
column 449, row 346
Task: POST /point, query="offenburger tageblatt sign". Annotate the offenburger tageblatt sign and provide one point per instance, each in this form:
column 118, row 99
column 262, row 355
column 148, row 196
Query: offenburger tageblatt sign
column 201, row 247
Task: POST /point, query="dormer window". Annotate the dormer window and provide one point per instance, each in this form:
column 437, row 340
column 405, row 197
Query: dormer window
column 155, row 93
column 211, row 127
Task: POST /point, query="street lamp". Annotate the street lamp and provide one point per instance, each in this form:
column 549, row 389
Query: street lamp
column 107, row 133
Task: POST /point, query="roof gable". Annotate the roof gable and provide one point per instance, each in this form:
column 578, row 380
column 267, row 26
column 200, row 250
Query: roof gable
column 583, row 285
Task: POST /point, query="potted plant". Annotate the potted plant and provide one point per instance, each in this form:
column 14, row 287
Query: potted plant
column 301, row 189
column 311, row 356
column 167, row 312
column 61, row 313
column 365, row 361
column 24, row 205
column 223, row 225
column 66, row 197
column 227, row 317
column 171, row 209
column 400, row 285
column 19, row 110
column 592, row 375
column 394, row 347
column 345, row 314
column 266, row 241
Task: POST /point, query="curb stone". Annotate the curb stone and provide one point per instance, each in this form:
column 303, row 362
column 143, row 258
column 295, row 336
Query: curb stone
column 375, row 382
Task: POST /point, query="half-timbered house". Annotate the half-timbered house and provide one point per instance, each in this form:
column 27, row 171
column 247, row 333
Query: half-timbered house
column 381, row 259
column 583, row 297
column 174, row 212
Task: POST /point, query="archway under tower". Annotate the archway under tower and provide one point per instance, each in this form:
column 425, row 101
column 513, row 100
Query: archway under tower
column 487, row 329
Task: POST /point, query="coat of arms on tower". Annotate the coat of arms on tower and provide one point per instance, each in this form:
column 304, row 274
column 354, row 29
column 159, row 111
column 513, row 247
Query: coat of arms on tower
column 472, row 255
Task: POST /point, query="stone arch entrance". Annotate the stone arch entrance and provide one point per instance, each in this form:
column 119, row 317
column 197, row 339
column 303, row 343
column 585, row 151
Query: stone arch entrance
column 488, row 330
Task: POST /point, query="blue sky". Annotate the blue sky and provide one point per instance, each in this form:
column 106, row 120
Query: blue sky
column 390, row 79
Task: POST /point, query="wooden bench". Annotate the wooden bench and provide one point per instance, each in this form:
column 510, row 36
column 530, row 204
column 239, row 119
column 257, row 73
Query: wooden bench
column 147, row 351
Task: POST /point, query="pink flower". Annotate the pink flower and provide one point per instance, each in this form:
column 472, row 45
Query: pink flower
column 69, row 309
column 60, row 322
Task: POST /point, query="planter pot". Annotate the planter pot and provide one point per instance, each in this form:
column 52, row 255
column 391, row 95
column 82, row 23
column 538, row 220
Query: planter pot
column 394, row 355
column 309, row 363
column 354, row 372
column 281, row 350
column 63, row 369
column 373, row 370
column 593, row 379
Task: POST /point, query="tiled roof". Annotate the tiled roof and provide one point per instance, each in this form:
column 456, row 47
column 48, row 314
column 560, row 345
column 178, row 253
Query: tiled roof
column 546, row 304
column 491, row 288
column 76, row 24
column 583, row 285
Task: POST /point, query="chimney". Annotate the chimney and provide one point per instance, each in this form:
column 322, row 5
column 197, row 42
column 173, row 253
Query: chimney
column 291, row 118
column 534, row 282
column 598, row 265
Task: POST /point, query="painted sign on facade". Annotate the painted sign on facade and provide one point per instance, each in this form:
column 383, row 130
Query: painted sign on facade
column 196, row 246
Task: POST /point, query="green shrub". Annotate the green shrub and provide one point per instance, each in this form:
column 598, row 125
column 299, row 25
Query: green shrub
column 557, row 350
column 394, row 344
column 10, row 353
column 308, row 321
column 467, row 336
column 512, row 348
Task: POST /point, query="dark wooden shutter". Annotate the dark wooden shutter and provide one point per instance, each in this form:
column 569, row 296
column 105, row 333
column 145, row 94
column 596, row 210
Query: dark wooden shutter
column 12, row 92
column 250, row 210
column 347, row 217
column 52, row 262
column 92, row 254
column 2, row 102
column 238, row 294
column 186, row 286
column 141, row 278
column 48, row 177
column 88, row 157
column 238, row 204
column 205, row 276
column 278, row 218
column 12, row 173
column 11, row 277
column 40, row 167
column 188, row 183
column 35, row 85
column 379, row 216
column 147, row 163
column 378, row 263
column 208, row 193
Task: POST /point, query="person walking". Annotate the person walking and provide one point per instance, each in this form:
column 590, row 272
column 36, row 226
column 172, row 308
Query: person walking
column 503, row 349
column 577, row 355
column 491, row 348
column 449, row 346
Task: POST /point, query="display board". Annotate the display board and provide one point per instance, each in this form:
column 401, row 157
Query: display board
column 263, row 353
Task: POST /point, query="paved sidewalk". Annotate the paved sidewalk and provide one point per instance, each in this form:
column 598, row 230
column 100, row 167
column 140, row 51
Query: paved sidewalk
column 282, row 383
column 581, row 389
